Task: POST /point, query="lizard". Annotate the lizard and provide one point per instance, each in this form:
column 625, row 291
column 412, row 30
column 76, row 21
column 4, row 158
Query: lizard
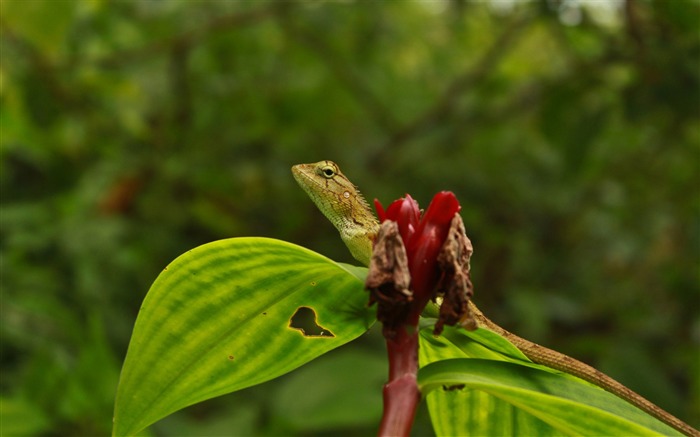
column 345, row 207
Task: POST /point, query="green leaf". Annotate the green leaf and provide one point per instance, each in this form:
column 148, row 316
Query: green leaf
column 217, row 320
column 358, row 271
column 477, row 385
column 460, row 343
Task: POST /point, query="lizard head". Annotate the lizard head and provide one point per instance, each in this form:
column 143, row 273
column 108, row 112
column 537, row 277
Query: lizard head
column 331, row 191
column 341, row 202
column 317, row 172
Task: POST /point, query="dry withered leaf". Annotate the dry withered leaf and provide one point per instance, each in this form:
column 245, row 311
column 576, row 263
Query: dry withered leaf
column 455, row 284
column 389, row 279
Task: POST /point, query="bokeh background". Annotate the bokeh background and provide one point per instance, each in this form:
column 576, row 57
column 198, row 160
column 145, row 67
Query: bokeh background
column 132, row 131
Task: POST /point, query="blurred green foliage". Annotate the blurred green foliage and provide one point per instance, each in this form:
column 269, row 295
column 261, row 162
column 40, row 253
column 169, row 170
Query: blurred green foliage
column 132, row 131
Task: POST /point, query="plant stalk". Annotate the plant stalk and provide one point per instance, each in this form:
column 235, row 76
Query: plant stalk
column 401, row 394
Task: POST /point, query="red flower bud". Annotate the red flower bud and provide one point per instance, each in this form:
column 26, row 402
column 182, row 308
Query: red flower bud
column 422, row 236
column 416, row 258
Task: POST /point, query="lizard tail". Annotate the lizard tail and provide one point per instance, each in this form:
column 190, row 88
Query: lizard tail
column 556, row 360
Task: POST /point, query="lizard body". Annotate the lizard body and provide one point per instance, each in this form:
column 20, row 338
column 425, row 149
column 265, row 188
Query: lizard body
column 341, row 202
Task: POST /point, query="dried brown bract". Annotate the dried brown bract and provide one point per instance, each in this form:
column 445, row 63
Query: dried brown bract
column 455, row 285
column 389, row 279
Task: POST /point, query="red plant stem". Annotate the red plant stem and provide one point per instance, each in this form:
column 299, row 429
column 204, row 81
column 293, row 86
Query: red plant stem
column 401, row 394
column 423, row 238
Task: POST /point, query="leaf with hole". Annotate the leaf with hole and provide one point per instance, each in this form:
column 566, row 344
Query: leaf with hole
column 222, row 317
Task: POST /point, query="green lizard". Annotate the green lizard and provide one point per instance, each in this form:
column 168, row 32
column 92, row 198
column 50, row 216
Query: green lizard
column 341, row 202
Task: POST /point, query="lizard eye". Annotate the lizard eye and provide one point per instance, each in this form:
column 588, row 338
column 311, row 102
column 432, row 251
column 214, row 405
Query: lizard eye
column 328, row 172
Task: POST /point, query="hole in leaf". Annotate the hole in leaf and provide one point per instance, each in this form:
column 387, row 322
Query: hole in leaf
column 304, row 320
column 453, row 387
